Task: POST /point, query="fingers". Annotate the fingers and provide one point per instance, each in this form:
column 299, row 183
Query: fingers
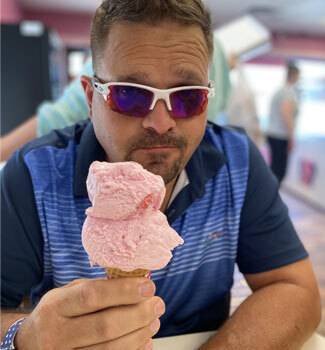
column 95, row 312
column 114, row 323
column 138, row 340
column 88, row 296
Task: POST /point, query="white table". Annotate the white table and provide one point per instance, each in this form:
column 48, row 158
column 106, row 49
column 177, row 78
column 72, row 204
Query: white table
column 193, row 342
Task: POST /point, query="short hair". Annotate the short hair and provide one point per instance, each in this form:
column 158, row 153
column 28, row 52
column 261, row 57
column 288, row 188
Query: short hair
column 153, row 12
column 292, row 70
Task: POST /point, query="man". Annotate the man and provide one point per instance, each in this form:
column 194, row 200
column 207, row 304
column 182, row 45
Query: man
column 282, row 120
column 148, row 104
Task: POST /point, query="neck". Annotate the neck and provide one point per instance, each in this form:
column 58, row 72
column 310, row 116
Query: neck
column 169, row 190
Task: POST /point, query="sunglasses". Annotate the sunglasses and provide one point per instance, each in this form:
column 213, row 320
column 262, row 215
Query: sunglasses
column 138, row 100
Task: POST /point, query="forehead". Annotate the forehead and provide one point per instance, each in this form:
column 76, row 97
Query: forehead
column 163, row 54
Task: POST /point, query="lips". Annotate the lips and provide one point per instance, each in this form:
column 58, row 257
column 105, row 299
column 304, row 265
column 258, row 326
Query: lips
column 162, row 147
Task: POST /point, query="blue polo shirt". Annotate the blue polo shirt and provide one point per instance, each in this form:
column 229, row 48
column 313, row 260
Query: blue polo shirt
column 230, row 212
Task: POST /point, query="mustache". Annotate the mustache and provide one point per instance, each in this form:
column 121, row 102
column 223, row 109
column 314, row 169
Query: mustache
column 154, row 140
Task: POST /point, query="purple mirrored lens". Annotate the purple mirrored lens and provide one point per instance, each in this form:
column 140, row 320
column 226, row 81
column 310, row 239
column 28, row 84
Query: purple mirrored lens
column 187, row 103
column 130, row 100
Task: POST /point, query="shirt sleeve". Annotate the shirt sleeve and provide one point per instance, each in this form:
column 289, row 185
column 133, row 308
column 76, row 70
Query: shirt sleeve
column 219, row 74
column 21, row 237
column 267, row 238
column 67, row 110
column 288, row 95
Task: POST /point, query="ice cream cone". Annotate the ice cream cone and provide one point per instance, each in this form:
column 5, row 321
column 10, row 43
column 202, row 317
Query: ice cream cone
column 117, row 273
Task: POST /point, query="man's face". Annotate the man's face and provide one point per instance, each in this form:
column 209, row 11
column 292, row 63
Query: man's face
column 164, row 56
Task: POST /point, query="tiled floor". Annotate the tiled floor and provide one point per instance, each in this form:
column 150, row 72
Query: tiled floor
column 310, row 225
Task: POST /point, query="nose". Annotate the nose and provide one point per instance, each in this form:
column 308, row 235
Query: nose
column 159, row 119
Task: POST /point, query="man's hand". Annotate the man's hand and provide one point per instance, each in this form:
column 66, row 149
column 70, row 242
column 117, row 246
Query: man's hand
column 94, row 314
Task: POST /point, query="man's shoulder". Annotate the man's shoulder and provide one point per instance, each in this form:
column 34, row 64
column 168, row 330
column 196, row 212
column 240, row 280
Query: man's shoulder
column 220, row 130
column 59, row 138
column 41, row 150
column 225, row 145
column 226, row 137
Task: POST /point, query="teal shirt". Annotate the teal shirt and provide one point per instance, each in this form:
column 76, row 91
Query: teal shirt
column 72, row 107
column 69, row 109
column 219, row 73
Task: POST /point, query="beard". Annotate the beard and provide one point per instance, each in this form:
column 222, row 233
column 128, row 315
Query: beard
column 159, row 164
column 167, row 164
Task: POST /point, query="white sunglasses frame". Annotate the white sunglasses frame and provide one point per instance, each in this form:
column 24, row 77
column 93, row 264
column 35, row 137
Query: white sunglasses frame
column 159, row 94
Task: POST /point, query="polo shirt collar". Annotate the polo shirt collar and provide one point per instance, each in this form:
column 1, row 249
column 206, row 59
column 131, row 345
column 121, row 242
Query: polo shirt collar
column 89, row 150
column 203, row 165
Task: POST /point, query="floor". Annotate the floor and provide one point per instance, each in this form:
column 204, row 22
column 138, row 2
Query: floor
column 310, row 224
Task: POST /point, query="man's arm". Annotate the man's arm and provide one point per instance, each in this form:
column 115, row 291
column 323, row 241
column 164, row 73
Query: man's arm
column 284, row 308
column 17, row 138
column 282, row 313
column 287, row 113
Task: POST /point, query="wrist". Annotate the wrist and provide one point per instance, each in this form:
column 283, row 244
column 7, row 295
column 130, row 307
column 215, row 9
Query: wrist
column 8, row 342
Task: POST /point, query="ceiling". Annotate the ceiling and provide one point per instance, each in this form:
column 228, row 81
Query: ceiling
column 303, row 17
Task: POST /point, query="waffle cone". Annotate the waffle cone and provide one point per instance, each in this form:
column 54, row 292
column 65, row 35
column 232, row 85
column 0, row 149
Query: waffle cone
column 117, row 273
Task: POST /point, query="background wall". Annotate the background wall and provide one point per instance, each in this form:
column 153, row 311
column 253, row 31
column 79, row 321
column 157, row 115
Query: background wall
column 300, row 46
column 10, row 11
column 73, row 28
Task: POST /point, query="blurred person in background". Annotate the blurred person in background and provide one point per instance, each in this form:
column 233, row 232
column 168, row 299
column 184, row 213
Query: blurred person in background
column 71, row 107
column 281, row 124
column 241, row 107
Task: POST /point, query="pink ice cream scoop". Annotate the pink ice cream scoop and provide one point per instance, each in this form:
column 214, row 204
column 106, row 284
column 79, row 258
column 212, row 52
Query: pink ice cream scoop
column 119, row 190
column 124, row 228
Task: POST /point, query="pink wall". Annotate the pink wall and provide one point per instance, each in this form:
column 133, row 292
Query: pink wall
column 269, row 59
column 74, row 31
column 10, row 11
column 286, row 47
column 73, row 28
column 299, row 46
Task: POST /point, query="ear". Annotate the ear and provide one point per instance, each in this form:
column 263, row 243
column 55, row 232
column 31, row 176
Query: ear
column 89, row 92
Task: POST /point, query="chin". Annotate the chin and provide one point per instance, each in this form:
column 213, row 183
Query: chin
column 167, row 172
